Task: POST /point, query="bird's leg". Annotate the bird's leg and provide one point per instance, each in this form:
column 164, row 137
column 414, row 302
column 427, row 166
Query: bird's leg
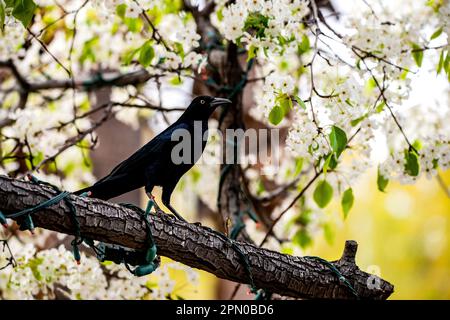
column 167, row 192
column 174, row 212
column 152, row 198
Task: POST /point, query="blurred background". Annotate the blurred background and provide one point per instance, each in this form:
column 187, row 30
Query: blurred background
column 402, row 236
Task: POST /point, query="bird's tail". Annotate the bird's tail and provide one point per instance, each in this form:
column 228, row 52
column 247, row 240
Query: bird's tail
column 107, row 188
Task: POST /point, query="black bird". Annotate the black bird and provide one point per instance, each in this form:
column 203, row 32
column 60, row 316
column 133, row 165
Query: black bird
column 152, row 165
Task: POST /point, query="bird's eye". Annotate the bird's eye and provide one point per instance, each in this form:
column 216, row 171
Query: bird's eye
column 202, row 101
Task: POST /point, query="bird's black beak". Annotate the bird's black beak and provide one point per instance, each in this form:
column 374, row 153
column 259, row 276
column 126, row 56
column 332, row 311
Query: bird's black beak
column 219, row 101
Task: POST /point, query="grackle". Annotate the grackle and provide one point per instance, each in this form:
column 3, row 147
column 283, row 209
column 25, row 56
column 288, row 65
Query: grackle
column 152, row 165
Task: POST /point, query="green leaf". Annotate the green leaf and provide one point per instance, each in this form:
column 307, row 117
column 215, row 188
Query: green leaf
column 196, row 175
column 349, row 102
column 338, row 140
column 447, row 63
column 304, row 218
column 333, row 162
column 285, row 103
column 436, row 34
column 251, row 52
column 380, row 107
column 134, row 24
column 219, row 14
column 441, row 62
column 304, row 46
column 146, row 54
column 180, row 49
column 323, row 193
column 435, row 163
column 382, row 182
column 287, row 250
column 276, row 115
column 417, row 144
column 417, row 54
column 176, row 80
column 328, row 233
column 302, row 238
column 2, row 15
column 300, row 102
column 85, row 105
column 356, row 121
column 327, row 163
column 128, row 57
column 260, row 188
column 257, row 22
column 23, row 10
column 121, row 9
column 298, row 166
column 404, row 74
column 282, row 40
column 347, row 201
column 412, row 166
column 33, row 264
column 370, row 85
column 435, row 4
column 89, row 50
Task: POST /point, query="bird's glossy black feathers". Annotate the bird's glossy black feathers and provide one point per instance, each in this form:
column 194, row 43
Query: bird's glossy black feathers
column 152, row 165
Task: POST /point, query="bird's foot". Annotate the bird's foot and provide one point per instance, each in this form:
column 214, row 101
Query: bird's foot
column 152, row 198
column 198, row 223
column 171, row 216
column 178, row 217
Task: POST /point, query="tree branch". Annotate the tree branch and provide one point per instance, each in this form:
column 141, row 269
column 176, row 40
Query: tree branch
column 101, row 79
column 197, row 246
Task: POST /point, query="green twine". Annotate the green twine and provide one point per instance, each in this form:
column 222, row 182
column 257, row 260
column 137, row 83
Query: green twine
column 262, row 295
column 236, row 89
column 336, row 271
column 240, row 225
column 223, row 173
column 246, row 262
column 237, row 228
column 243, row 258
column 3, row 221
column 27, row 223
column 27, row 220
column 40, row 206
column 146, row 261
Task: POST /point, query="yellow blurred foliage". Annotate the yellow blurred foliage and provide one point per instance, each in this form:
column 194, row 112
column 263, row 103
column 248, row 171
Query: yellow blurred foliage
column 402, row 234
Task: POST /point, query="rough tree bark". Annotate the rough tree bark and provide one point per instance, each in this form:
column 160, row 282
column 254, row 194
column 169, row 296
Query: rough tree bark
column 229, row 203
column 197, row 246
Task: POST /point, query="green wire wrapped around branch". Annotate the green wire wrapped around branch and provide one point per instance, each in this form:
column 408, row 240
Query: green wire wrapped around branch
column 145, row 261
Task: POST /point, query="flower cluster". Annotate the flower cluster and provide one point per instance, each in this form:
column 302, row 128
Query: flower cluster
column 52, row 273
column 12, row 37
column 276, row 86
column 261, row 19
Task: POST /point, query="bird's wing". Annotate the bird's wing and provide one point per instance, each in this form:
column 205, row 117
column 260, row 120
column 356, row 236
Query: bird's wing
column 159, row 146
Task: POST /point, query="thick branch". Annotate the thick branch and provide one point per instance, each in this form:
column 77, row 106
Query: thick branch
column 101, row 79
column 197, row 246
